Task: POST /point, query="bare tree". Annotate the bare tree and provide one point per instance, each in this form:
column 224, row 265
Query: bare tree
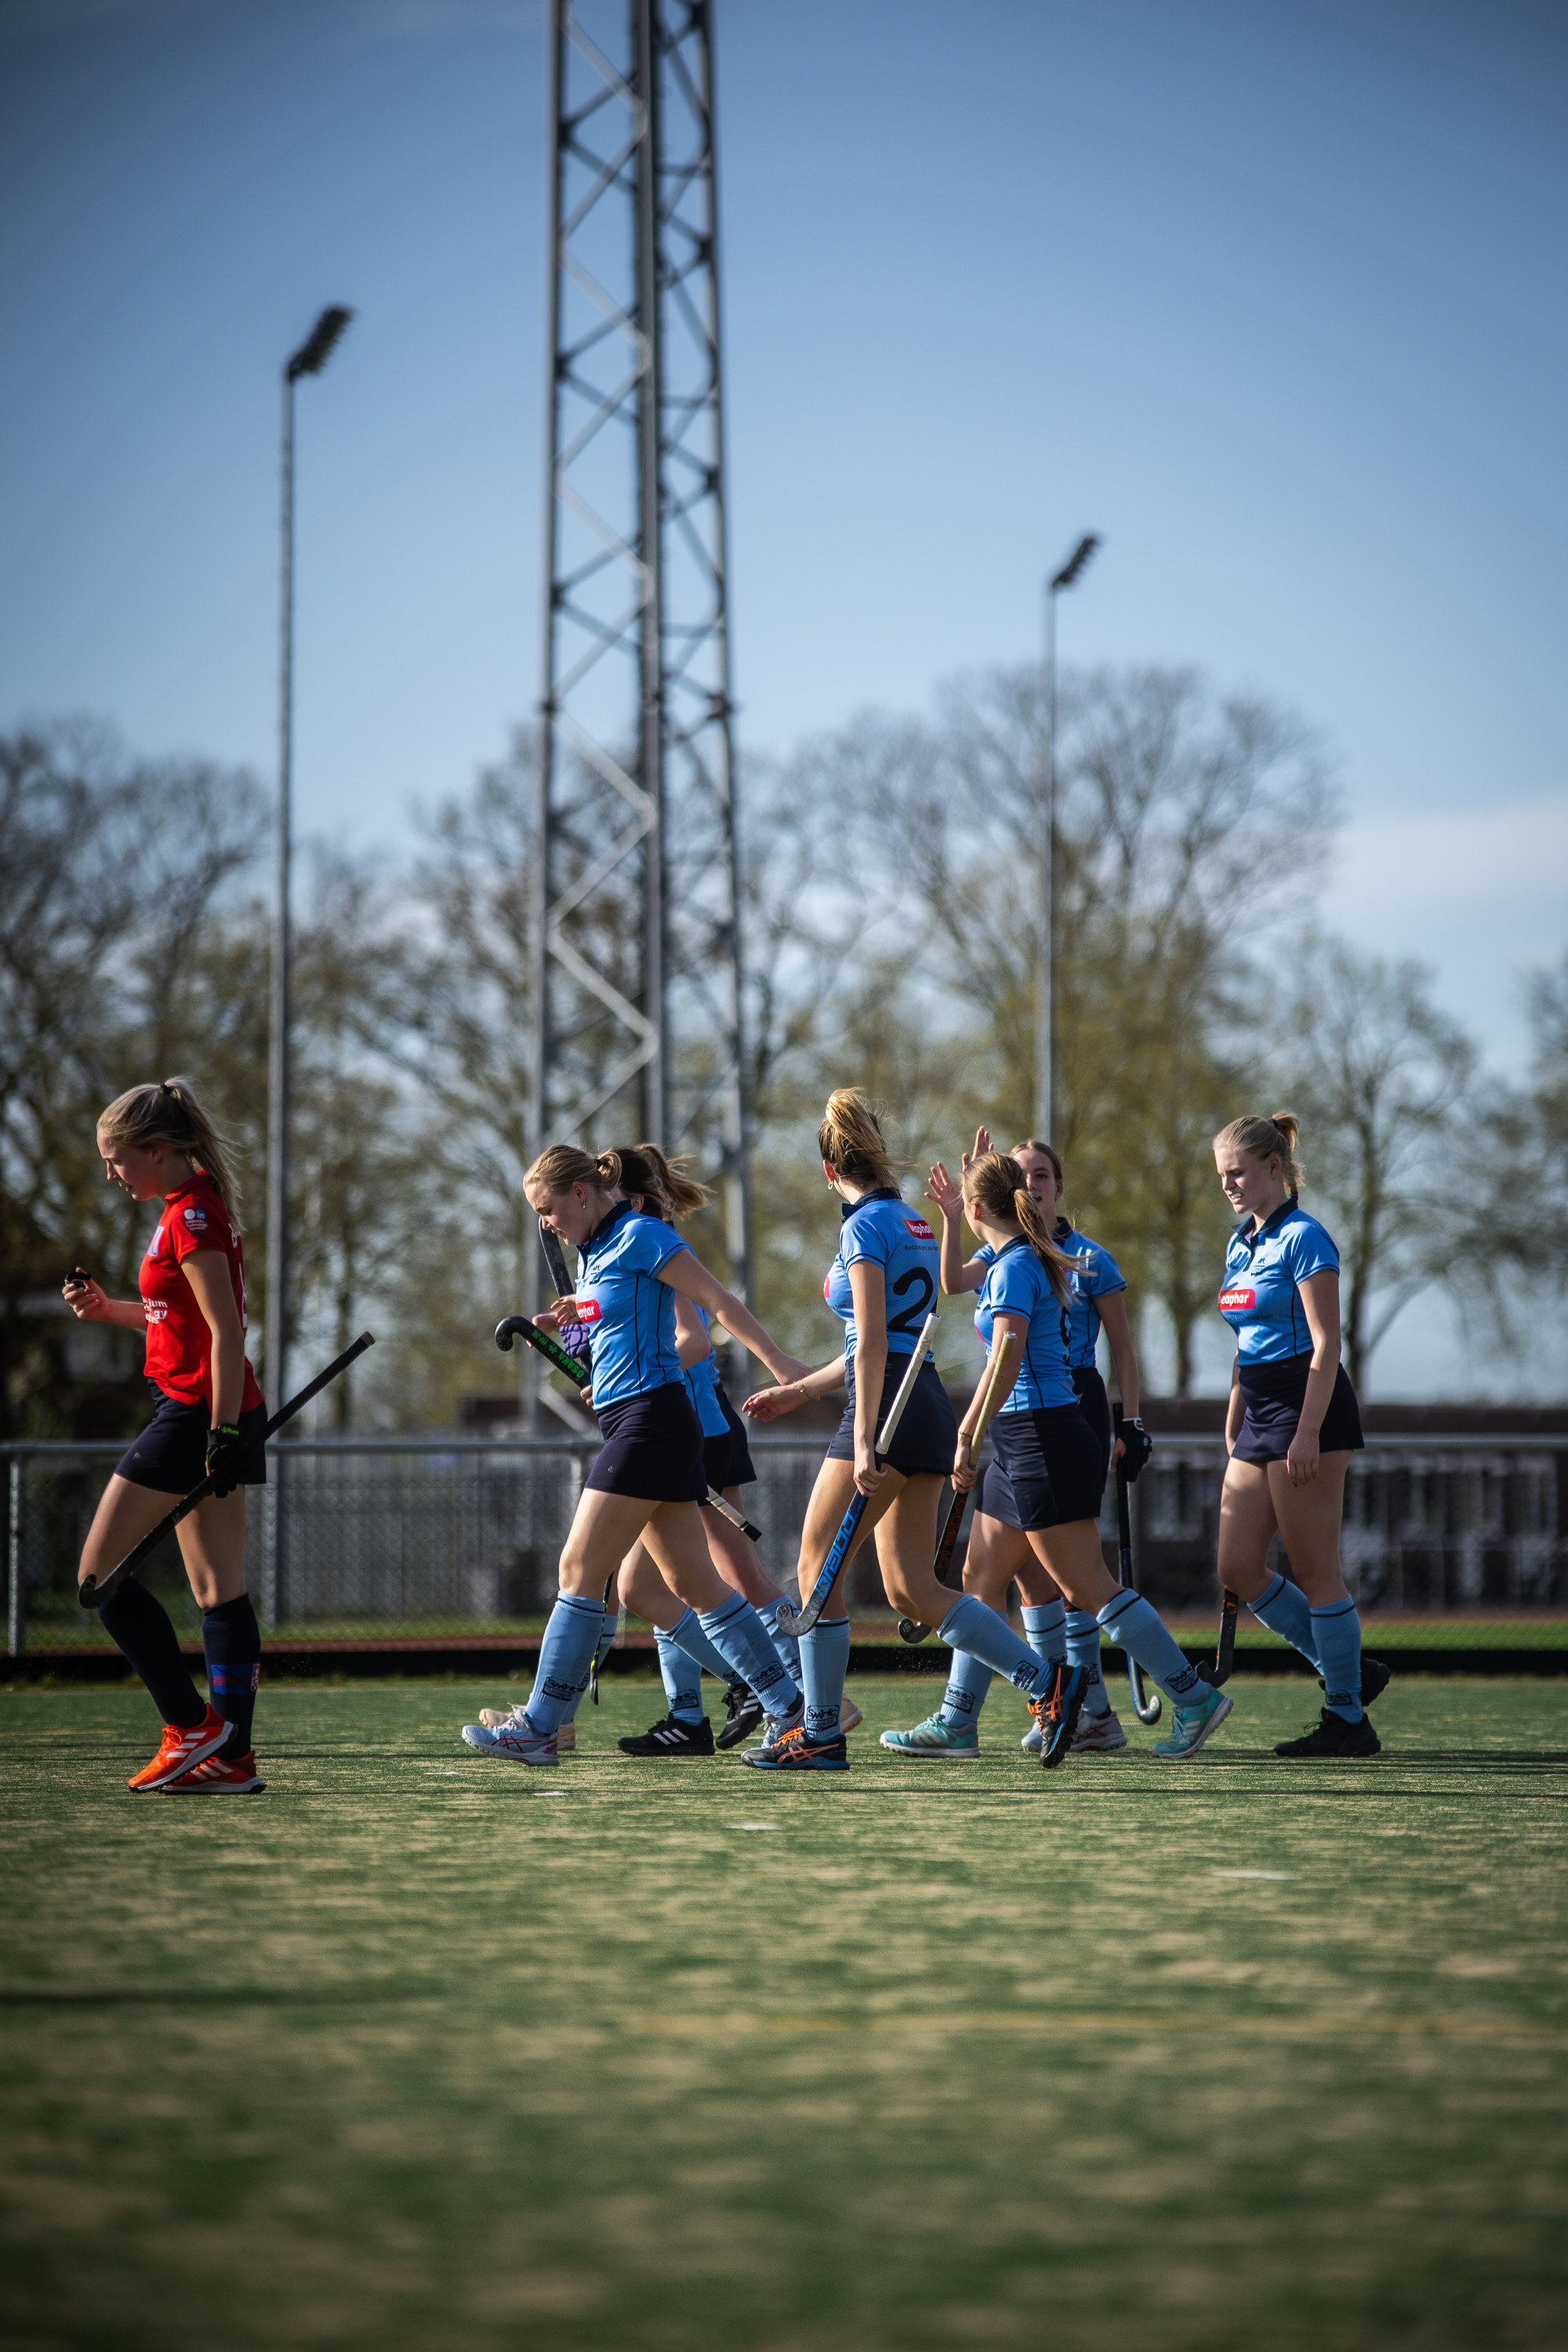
column 1378, row 1075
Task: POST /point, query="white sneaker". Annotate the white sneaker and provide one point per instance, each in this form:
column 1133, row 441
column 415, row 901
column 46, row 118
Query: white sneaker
column 1030, row 1742
column 1097, row 1735
column 775, row 1725
column 515, row 1739
column 492, row 1717
column 850, row 1716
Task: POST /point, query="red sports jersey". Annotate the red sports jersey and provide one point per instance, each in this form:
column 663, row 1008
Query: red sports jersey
column 179, row 1336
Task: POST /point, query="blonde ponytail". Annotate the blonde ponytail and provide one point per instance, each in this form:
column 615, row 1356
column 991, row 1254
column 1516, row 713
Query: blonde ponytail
column 1266, row 1138
column 665, row 1189
column 170, row 1114
column 995, row 1183
column 850, row 1139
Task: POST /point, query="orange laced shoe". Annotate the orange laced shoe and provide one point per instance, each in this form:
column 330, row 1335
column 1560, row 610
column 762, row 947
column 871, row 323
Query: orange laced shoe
column 1056, row 1711
column 224, row 1776
column 180, row 1750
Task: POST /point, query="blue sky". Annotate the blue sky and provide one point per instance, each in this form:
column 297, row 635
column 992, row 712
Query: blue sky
column 1268, row 295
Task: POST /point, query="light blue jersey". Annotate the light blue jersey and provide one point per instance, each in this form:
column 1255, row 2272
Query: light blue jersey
column 1261, row 1298
column 881, row 1229
column 1017, row 1284
column 703, row 1386
column 629, row 1313
column 1096, row 1279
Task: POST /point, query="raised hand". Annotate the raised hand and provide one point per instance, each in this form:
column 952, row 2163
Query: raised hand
column 982, row 1146
column 947, row 1196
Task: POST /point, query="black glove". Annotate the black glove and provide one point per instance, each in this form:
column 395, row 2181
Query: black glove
column 228, row 1458
column 1136, row 1447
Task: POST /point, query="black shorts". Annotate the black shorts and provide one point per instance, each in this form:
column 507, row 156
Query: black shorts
column 728, row 1459
column 926, row 1437
column 1048, row 1470
column 652, row 1449
column 171, row 1454
column 1095, row 1407
column 1272, row 1394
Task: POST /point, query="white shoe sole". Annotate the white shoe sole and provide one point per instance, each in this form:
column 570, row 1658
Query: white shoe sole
column 933, row 1755
column 1212, row 1726
column 198, row 1754
column 492, row 1717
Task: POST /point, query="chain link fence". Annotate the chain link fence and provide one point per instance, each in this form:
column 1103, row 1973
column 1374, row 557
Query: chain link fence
column 397, row 1537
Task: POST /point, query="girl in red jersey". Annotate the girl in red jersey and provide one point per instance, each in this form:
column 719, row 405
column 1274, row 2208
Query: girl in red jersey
column 157, row 1144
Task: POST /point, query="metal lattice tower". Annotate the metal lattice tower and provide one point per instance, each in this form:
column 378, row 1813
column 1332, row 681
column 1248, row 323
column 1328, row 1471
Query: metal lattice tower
column 637, row 964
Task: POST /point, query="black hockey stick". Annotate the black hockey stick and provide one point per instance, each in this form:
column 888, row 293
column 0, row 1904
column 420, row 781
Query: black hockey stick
column 93, row 1592
column 1224, row 1654
column 802, row 1620
column 519, row 1327
column 910, row 1630
column 555, row 1259
column 1146, row 1706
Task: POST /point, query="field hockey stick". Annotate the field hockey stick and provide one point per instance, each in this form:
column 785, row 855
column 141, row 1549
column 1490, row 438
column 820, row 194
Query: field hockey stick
column 555, row 1259
column 910, row 1630
column 802, row 1620
column 512, row 1327
column 1146, row 1706
column 998, row 1389
column 1225, row 1654
column 93, row 1592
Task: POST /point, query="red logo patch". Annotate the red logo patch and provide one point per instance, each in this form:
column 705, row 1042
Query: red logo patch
column 1230, row 1301
column 589, row 1311
column 919, row 1227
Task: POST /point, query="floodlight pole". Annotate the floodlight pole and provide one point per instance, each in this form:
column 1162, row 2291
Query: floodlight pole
column 1045, row 914
column 308, row 360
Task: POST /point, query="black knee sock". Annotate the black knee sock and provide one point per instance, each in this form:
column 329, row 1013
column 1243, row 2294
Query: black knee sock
column 139, row 1625
column 232, row 1639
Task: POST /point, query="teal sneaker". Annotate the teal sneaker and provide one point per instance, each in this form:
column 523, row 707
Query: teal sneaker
column 1193, row 1727
column 935, row 1741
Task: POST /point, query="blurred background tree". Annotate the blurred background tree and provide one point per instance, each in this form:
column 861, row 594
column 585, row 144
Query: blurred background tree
column 891, row 872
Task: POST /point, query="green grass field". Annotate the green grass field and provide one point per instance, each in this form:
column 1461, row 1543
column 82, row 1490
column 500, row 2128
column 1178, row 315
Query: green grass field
column 421, row 2050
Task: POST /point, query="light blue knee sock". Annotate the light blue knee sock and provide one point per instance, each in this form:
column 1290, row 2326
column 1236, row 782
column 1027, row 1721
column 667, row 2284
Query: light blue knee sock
column 1134, row 1625
column 737, row 1632
column 786, row 1645
column 967, row 1684
column 1336, row 1632
column 687, row 1634
column 565, row 1655
column 1046, row 1630
column 970, row 1625
column 823, row 1662
column 1083, row 1650
column 680, row 1675
column 1285, row 1610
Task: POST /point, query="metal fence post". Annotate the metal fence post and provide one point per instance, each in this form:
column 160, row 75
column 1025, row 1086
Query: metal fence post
column 16, row 1594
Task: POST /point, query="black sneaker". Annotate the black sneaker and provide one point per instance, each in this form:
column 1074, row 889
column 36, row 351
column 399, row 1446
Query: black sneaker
column 671, row 1737
column 1334, row 1737
column 1376, row 1678
column 745, row 1715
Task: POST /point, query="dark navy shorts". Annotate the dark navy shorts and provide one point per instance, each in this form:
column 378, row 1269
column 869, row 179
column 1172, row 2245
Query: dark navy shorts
column 653, row 1448
column 1095, row 1407
column 1272, row 1394
column 171, row 1454
column 1049, row 1469
column 925, row 1438
column 728, row 1459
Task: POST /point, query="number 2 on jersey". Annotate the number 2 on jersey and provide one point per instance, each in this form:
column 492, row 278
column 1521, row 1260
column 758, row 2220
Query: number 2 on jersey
column 907, row 1323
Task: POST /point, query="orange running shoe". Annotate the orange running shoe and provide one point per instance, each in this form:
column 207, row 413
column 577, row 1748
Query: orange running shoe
column 180, row 1750
column 224, row 1776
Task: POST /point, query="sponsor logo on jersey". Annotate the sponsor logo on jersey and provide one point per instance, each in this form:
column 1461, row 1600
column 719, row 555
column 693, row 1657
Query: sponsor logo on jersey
column 196, row 1217
column 919, row 1227
column 1232, row 1301
column 589, row 1311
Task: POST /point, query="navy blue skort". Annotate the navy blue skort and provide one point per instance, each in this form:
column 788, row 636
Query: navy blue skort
column 728, row 1459
column 652, row 1449
column 1272, row 1395
column 1049, row 1469
column 171, row 1454
column 1095, row 1407
column 926, row 1437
